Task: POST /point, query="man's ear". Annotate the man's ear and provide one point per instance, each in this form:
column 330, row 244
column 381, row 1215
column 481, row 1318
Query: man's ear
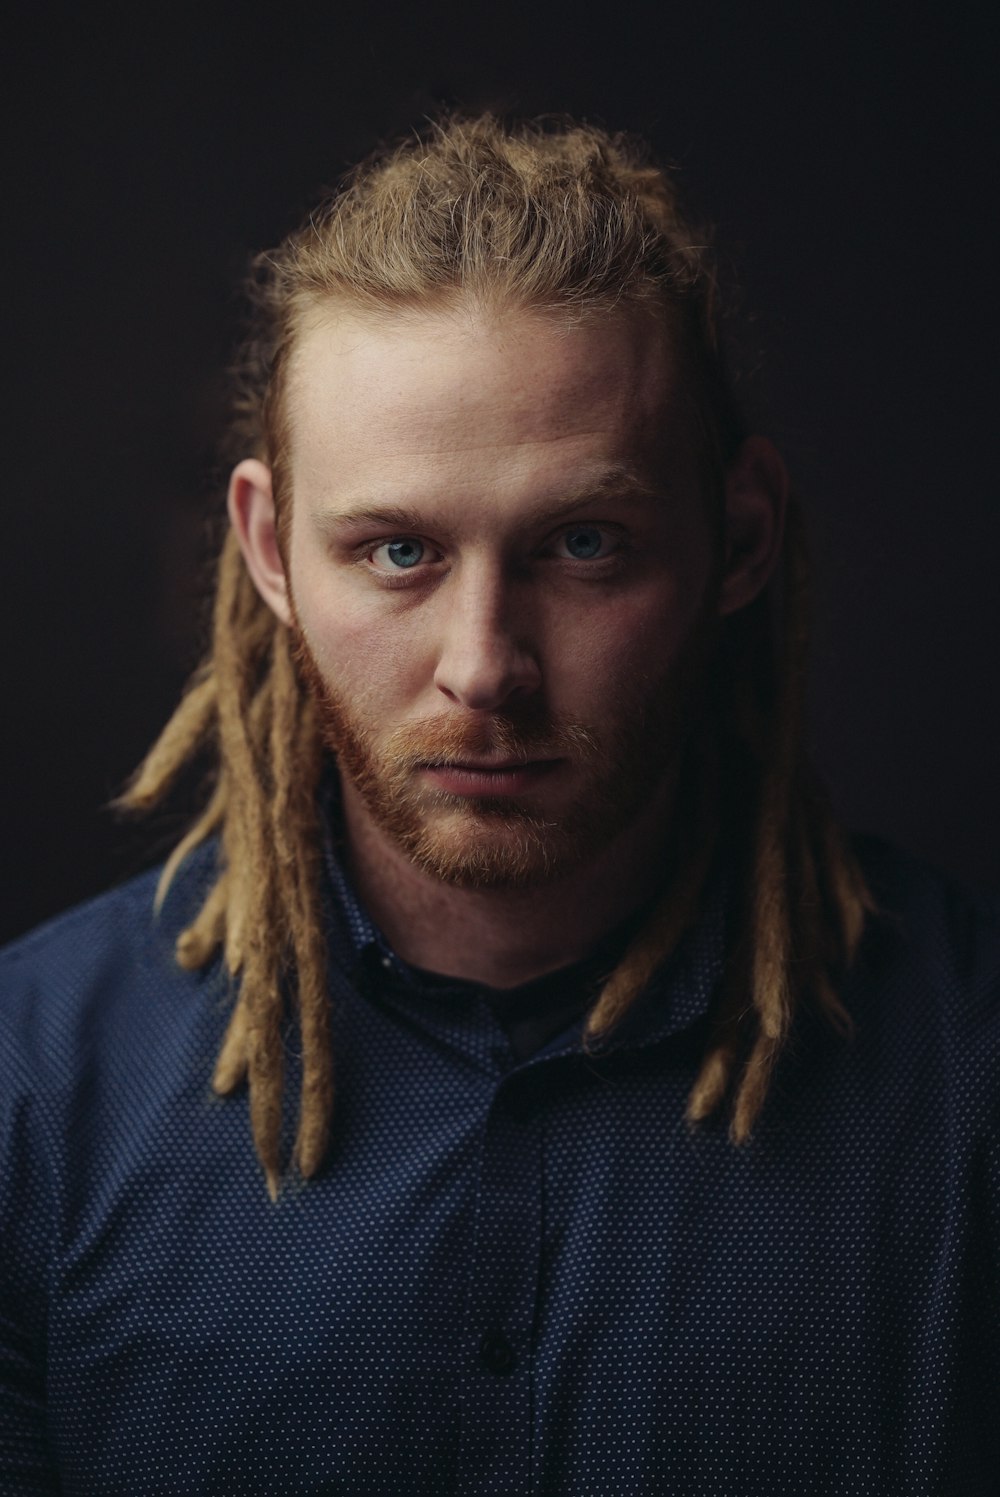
column 756, row 500
column 251, row 513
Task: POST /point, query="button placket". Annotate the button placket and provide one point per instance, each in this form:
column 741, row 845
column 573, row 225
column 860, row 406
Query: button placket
column 496, row 1435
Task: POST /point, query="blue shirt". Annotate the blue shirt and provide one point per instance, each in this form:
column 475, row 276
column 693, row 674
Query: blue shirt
column 512, row 1276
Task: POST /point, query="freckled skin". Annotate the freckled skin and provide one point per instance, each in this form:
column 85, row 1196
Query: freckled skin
column 474, row 432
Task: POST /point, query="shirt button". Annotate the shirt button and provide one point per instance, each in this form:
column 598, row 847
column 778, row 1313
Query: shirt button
column 496, row 1353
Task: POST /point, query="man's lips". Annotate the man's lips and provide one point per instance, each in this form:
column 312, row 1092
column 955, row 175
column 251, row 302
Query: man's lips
column 469, row 777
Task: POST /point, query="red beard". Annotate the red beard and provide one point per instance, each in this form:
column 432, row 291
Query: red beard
column 485, row 842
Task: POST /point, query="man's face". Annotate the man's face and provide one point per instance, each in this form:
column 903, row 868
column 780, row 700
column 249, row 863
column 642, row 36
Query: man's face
column 499, row 563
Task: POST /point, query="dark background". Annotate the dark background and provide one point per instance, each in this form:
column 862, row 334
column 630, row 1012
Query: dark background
column 848, row 158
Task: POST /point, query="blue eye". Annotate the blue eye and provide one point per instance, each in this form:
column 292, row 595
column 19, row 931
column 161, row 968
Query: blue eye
column 405, row 553
column 584, row 543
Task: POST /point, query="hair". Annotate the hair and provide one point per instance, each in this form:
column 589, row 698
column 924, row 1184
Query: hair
column 564, row 218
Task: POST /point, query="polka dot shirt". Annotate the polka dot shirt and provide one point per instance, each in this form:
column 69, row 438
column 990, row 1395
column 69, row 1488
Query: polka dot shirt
column 519, row 1271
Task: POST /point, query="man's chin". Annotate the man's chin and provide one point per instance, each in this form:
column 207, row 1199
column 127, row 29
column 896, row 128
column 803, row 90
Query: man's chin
column 479, row 848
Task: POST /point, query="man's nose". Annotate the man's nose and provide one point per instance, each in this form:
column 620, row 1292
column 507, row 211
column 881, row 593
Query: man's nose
column 485, row 659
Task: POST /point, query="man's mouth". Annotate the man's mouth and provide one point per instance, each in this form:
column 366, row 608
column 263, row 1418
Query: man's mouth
column 489, row 777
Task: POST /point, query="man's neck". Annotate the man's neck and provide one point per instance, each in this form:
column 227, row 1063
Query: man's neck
column 504, row 937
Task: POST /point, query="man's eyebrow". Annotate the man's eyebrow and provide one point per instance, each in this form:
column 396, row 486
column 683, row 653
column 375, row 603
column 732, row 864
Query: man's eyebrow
column 386, row 516
column 617, row 485
column 612, row 486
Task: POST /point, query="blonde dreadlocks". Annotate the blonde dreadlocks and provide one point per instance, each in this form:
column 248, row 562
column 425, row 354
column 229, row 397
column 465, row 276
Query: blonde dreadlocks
column 567, row 219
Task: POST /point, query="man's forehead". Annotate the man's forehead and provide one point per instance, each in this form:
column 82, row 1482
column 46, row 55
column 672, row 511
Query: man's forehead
column 454, row 376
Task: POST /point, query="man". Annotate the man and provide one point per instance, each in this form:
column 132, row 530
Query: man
column 646, row 1133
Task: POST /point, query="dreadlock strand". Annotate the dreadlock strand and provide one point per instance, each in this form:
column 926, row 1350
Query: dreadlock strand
column 208, row 822
column 286, row 762
column 771, row 921
column 253, row 863
column 261, row 992
column 744, row 753
column 241, row 858
column 825, row 996
column 777, row 828
column 827, row 926
column 716, row 1070
column 186, row 730
column 679, row 905
column 766, row 1022
column 768, row 1018
column 264, row 1073
column 772, row 936
column 819, row 938
column 199, row 942
column 317, row 1085
column 653, row 945
column 297, row 760
column 849, row 893
column 232, row 1062
column 753, row 1087
column 816, row 945
column 230, row 863
column 711, row 1083
column 261, row 996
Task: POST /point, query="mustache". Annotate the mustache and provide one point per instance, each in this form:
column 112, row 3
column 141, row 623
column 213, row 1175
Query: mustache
column 441, row 741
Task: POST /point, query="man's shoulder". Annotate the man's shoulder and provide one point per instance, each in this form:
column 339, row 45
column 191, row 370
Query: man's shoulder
column 115, row 913
column 933, row 943
column 118, row 917
column 75, row 972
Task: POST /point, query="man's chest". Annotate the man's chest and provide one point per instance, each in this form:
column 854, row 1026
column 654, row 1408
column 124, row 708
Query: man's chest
column 502, row 1284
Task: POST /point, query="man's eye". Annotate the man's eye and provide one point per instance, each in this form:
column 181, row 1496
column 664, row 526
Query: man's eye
column 585, row 543
column 398, row 555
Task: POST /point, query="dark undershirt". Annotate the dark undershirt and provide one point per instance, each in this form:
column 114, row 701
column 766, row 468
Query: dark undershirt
column 535, row 1012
